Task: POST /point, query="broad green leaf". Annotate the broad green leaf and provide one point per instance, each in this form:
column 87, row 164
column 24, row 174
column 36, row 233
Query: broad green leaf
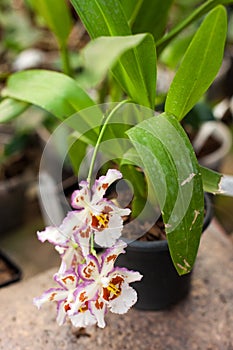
column 97, row 62
column 152, row 17
column 102, row 17
column 200, row 64
column 52, row 91
column 171, row 167
column 10, row 109
column 211, row 180
column 195, row 15
column 136, row 73
column 136, row 70
column 57, row 17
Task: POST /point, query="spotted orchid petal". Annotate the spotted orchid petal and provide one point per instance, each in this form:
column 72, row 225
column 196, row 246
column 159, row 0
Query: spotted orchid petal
column 128, row 275
column 80, row 198
column 72, row 223
column 62, row 308
column 85, row 292
column 124, row 301
column 67, row 281
column 90, row 270
column 52, row 294
column 101, row 185
column 83, row 239
column 99, row 309
column 109, row 257
column 108, row 236
column 83, row 318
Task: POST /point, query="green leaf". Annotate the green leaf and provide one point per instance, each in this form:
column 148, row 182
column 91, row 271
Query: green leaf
column 171, row 168
column 195, row 15
column 136, row 73
column 10, row 109
column 97, row 62
column 131, row 8
column 57, row 17
column 136, row 70
column 152, row 17
column 52, row 91
column 102, row 17
column 211, row 180
column 200, row 65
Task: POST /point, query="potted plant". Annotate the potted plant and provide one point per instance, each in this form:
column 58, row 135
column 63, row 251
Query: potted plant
column 153, row 151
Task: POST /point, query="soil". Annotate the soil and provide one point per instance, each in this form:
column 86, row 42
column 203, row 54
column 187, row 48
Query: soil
column 150, row 231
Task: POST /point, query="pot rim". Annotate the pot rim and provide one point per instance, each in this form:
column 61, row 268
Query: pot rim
column 162, row 245
column 15, row 268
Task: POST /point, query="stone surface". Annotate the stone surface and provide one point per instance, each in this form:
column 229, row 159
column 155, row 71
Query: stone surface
column 204, row 321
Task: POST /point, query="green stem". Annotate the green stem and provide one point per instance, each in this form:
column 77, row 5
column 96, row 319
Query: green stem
column 198, row 13
column 113, row 111
column 66, row 67
column 135, row 13
column 93, row 252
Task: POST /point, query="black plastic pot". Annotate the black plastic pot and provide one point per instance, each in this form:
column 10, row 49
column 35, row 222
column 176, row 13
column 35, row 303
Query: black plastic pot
column 161, row 285
column 9, row 271
column 12, row 193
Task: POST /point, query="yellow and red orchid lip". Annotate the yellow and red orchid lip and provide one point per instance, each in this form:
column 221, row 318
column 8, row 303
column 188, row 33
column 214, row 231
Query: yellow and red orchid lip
column 100, row 222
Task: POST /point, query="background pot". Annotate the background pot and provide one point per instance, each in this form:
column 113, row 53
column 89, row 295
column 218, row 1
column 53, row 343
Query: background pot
column 161, row 285
column 9, row 271
column 12, row 204
column 219, row 134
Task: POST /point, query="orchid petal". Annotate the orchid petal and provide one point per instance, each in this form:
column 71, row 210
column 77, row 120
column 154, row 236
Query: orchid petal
column 128, row 275
column 72, row 222
column 66, row 260
column 53, row 294
column 108, row 236
column 62, row 234
column 61, row 313
column 53, row 235
column 90, row 270
column 80, row 198
column 119, row 211
column 109, row 257
column 83, row 239
column 68, row 281
column 83, row 319
column 84, row 293
column 124, row 301
column 101, row 185
column 72, row 256
column 98, row 308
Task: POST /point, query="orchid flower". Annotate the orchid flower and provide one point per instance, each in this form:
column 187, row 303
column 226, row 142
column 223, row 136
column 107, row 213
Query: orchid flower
column 96, row 212
column 63, row 295
column 104, row 285
column 90, row 285
column 65, row 240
